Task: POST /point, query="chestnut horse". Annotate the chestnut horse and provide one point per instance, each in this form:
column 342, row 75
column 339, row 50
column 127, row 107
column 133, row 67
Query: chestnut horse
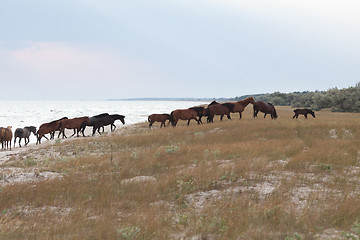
column 266, row 108
column 159, row 118
column 219, row 109
column 24, row 133
column 304, row 112
column 183, row 114
column 6, row 137
column 73, row 123
column 239, row 106
column 46, row 128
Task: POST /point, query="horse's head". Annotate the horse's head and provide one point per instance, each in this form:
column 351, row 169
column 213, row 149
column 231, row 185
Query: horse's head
column 312, row 113
column 31, row 129
column 251, row 100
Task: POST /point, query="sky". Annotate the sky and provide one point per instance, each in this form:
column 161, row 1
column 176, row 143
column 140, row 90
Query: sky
column 114, row 49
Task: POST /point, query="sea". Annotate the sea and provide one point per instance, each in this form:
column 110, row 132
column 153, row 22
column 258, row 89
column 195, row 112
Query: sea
column 19, row 114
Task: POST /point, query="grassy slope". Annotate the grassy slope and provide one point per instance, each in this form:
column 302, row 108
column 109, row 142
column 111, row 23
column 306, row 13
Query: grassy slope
column 239, row 179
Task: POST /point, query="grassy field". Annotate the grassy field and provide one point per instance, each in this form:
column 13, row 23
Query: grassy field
column 240, row 179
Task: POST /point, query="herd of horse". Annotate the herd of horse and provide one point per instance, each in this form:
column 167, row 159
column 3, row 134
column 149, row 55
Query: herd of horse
column 77, row 124
column 99, row 121
column 222, row 109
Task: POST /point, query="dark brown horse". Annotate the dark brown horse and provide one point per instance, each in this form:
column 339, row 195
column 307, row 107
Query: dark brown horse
column 46, row 128
column 159, row 118
column 73, row 123
column 183, row 114
column 24, row 133
column 304, row 112
column 239, row 106
column 200, row 111
column 219, row 109
column 101, row 120
column 266, row 108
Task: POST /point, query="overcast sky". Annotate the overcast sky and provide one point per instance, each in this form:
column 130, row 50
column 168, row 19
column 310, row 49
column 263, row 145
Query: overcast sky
column 101, row 49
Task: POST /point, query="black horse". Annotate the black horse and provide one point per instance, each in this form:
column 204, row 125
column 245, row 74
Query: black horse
column 24, row 133
column 304, row 112
column 200, row 112
column 101, row 120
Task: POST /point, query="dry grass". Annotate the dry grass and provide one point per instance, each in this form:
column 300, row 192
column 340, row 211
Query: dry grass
column 239, row 179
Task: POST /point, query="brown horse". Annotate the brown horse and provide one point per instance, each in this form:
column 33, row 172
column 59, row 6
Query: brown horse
column 159, row 118
column 73, row 123
column 183, row 114
column 6, row 137
column 266, row 108
column 46, row 128
column 219, row 109
column 239, row 106
column 304, row 112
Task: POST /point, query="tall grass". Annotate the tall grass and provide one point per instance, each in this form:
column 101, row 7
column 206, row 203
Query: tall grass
column 240, row 179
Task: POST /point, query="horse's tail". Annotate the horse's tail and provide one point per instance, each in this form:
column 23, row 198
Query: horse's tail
column 274, row 110
column 149, row 118
column 171, row 118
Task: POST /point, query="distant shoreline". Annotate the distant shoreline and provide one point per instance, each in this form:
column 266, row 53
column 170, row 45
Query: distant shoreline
column 170, row 99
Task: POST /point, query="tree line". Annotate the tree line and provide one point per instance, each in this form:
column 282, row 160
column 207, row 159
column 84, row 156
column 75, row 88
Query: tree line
column 338, row 100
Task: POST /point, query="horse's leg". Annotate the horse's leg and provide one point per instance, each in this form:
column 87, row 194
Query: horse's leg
column 221, row 117
column 265, row 115
column 14, row 141
column 189, row 121
column 240, row 115
column 27, row 142
column 228, row 116
column 200, row 120
column 63, row 133
column 73, row 133
column 305, row 116
column 20, row 141
column 113, row 125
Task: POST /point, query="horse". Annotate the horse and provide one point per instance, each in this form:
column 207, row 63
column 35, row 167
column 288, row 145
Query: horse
column 159, row 118
column 266, row 108
column 73, row 123
column 183, row 114
column 200, row 112
column 6, row 137
column 24, row 133
column 104, row 119
column 304, row 112
column 239, row 106
column 46, row 128
column 219, row 109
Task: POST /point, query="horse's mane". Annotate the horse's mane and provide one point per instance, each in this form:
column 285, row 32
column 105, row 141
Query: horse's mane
column 101, row 115
column 117, row 115
column 58, row 120
column 213, row 103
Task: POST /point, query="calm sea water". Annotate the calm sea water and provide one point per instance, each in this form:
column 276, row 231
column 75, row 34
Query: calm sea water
column 34, row 113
